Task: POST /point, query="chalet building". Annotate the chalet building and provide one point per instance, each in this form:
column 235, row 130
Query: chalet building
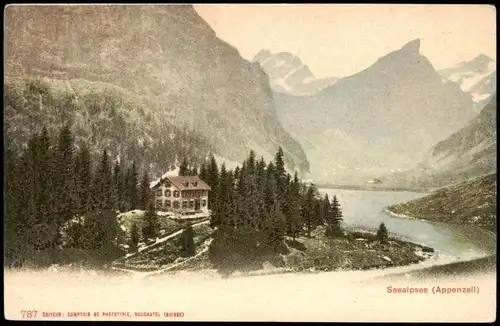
column 181, row 194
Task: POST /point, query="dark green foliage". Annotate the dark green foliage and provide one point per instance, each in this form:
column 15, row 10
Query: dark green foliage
column 188, row 247
column 134, row 237
column 333, row 217
column 145, row 195
column 255, row 206
column 131, row 188
column 151, row 227
column 382, row 234
column 184, row 168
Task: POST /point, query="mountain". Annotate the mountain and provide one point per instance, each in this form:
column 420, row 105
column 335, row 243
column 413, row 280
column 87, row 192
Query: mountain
column 476, row 77
column 472, row 202
column 164, row 62
column 468, row 153
column 394, row 111
column 287, row 74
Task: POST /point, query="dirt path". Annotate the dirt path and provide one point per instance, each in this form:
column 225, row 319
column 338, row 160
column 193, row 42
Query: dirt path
column 158, row 242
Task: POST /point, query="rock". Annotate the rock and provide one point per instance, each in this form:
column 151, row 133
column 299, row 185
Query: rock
column 386, row 258
column 427, row 249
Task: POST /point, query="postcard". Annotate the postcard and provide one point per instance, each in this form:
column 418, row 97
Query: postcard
column 250, row 162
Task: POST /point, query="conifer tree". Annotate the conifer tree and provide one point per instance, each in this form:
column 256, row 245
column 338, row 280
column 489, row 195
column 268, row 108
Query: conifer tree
column 145, row 192
column 83, row 170
column 213, row 181
column 151, row 227
column 184, row 167
column 280, row 176
column 131, row 191
column 295, row 218
column 307, row 210
column 119, row 186
column 382, row 234
column 187, row 241
column 333, row 219
column 134, row 237
column 64, row 185
column 203, row 171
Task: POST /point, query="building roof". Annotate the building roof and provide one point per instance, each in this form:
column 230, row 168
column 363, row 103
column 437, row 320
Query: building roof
column 193, row 182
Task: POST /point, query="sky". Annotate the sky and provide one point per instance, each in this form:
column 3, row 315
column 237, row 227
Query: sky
column 337, row 40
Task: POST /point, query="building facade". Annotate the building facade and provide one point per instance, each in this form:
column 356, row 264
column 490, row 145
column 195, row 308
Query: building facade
column 181, row 194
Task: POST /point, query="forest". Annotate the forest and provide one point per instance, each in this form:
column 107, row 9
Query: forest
column 61, row 204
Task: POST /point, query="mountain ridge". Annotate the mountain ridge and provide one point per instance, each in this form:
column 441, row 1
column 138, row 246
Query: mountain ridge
column 167, row 56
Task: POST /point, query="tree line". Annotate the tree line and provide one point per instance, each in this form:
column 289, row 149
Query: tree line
column 254, row 207
column 48, row 185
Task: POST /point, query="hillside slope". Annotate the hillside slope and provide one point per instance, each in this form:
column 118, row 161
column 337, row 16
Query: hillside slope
column 469, row 203
column 163, row 58
column 468, row 153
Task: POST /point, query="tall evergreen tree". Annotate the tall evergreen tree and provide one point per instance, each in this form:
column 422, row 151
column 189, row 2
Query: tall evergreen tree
column 151, row 227
column 307, row 210
column 64, row 185
column 119, row 186
column 203, row 171
column 131, row 192
column 280, row 174
column 184, row 167
column 213, row 181
column 333, row 219
column 134, row 237
column 83, row 170
column 187, row 242
column 145, row 192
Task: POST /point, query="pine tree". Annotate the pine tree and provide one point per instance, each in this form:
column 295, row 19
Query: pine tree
column 295, row 218
column 203, row 171
column 218, row 215
column 134, row 237
column 213, row 181
column 145, row 192
column 131, row 192
column 333, row 218
column 382, row 233
column 187, row 241
column 64, row 185
column 280, row 174
column 151, row 227
column 307, row 210
column 102, row 220
column 184, row 168
column 119, row 187
column 83, row 170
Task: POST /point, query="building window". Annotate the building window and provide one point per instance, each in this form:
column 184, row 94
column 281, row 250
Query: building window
column 186, row 184
column 167, row 184
column 184, row 204
column 159, row 203
column 176, row 193
column 191, row 203
column 176, row 204
column 167, row 204
column 203, row 203
column 195, row 184
column 198, row 193
column 167, row 193
column 158, row 193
